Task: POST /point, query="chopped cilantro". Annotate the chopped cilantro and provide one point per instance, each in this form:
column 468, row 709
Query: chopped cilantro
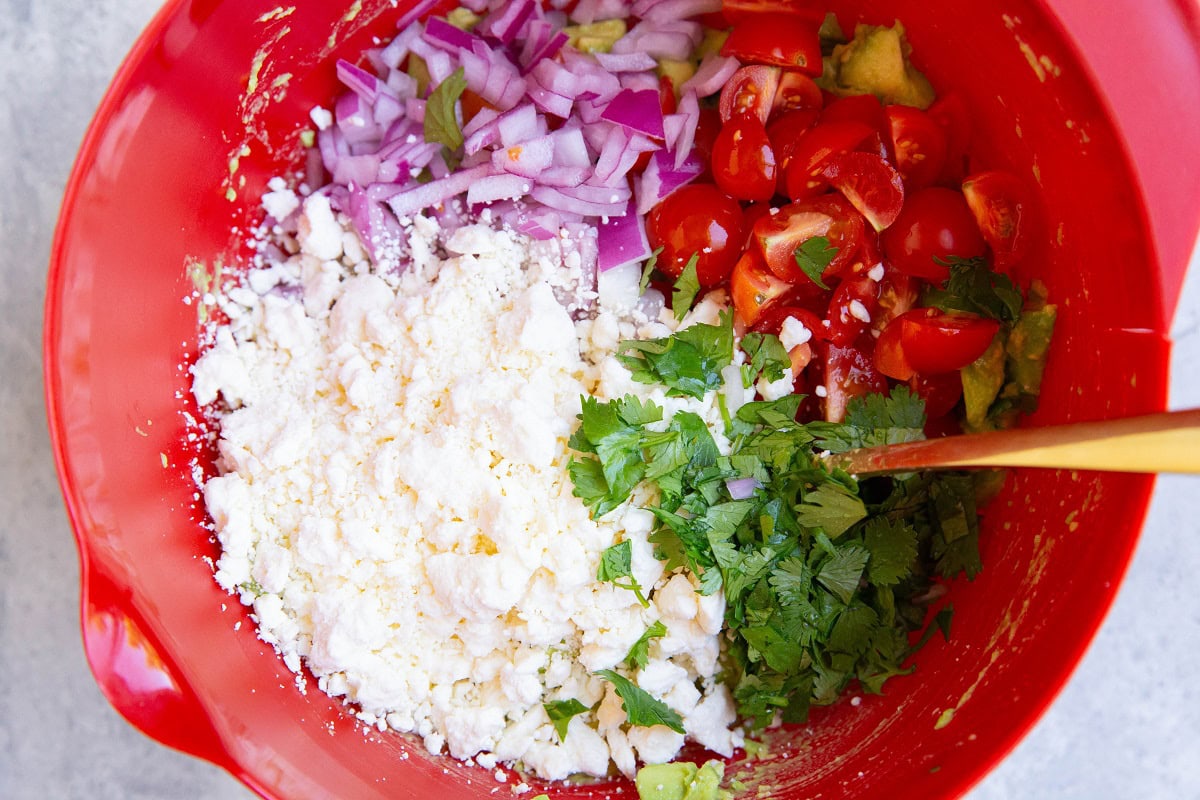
column 639, row 654
column 688, row 362
column 975, row 288
column 441, row 118
column 615, row 564
column 813, row 256
column 641, row 709
column 560, row 713
column 648, row 270
column 687, row 286
column 824, row 578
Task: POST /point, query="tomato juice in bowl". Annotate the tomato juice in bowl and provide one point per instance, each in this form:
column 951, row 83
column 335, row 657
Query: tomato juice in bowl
column 222, row 123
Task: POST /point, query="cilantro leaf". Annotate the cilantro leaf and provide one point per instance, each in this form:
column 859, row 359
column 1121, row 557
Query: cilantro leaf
column 875, row 420
column 648, row 270
column 639, row 654
column 974, row 288
column 955, row 543
column 893, row 549
column 441, row 119
column 560, row 713
column 768, row 358
column 831, row 508
column 813, row 256
column 688, row 362
column 616, row 562
column 641, row 709
column 687, row 286
column 840, row 573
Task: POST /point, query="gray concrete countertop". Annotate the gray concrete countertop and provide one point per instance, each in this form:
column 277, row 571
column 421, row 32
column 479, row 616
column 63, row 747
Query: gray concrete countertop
column 1126, row 726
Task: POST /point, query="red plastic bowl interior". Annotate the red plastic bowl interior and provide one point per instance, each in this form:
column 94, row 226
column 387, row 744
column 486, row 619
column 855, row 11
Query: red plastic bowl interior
column 209, row 106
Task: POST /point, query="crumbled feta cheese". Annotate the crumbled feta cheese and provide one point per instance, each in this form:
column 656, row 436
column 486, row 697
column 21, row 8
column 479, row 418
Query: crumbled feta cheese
column 859, row 311
column 793, row 333
column 393, row 499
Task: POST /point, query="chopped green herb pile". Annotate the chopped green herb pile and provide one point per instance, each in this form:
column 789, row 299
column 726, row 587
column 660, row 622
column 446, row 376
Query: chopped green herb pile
column 825, row 578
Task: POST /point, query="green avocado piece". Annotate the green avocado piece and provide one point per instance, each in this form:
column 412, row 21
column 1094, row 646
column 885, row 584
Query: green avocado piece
column 981, row 382
column 682, row 780
column 876, row 62
column 595, row 37
column 1027, row 346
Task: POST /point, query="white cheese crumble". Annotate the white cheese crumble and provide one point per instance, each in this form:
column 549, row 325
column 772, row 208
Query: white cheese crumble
column 393, row 498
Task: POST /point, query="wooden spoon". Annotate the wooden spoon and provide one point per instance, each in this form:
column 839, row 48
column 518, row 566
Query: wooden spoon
column 1165, row 442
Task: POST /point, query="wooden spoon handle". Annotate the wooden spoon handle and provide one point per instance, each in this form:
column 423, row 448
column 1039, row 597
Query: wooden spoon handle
column 1165, row 442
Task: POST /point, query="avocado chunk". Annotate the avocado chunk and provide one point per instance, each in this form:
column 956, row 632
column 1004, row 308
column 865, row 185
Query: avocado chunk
column 595, row 37
column 682, row 780
column 876, row 62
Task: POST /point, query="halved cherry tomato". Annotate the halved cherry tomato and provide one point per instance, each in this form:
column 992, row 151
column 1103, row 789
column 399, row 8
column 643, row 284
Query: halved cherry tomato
column 927, row 341
column 780, row 39
column 784, row 131
column 940, row 392
column 795, row 91
column 772, row 319
column 1001, row 205
column 737, row 10
column 849, row 372
column 750, row 90
column 702, row 220
column 815, row 148
column 935, row 223
column 919, row 145
column 753, row 288
column 898, row 294
column 751, row 214
column 743, row 162
column 950, row 112
column 779, row 234
column 852, row 309
column 870, row 184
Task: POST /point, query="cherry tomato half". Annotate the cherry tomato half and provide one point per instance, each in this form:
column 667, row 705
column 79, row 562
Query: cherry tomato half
column 919, row 145
column 927, row 341
column 743, row 163
column 702, row 220
column 778, row 235
column 1001, row 205
column 849, row 372
column 941, row 392
column 935, row 223
column 814, row 148
column 776, row 39
column 870, row 184
column 750, row 90
column 784, row 131
column 852, row 308
column 753, row 288
column 795, row 91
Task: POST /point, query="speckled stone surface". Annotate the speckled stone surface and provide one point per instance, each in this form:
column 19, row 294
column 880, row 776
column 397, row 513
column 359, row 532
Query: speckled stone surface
column 1126, row 726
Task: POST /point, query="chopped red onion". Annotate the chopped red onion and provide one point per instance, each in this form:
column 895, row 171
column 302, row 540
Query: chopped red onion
column 639, row 111
column 742, row 488
column 435, row 193
column 527, row 159
column 713, row 73
column 660, row 178
column 626, row 62
column 440, row 33
column 497, row 187
column 622, row 240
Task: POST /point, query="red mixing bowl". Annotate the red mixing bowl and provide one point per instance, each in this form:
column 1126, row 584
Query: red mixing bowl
column 209, row 106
